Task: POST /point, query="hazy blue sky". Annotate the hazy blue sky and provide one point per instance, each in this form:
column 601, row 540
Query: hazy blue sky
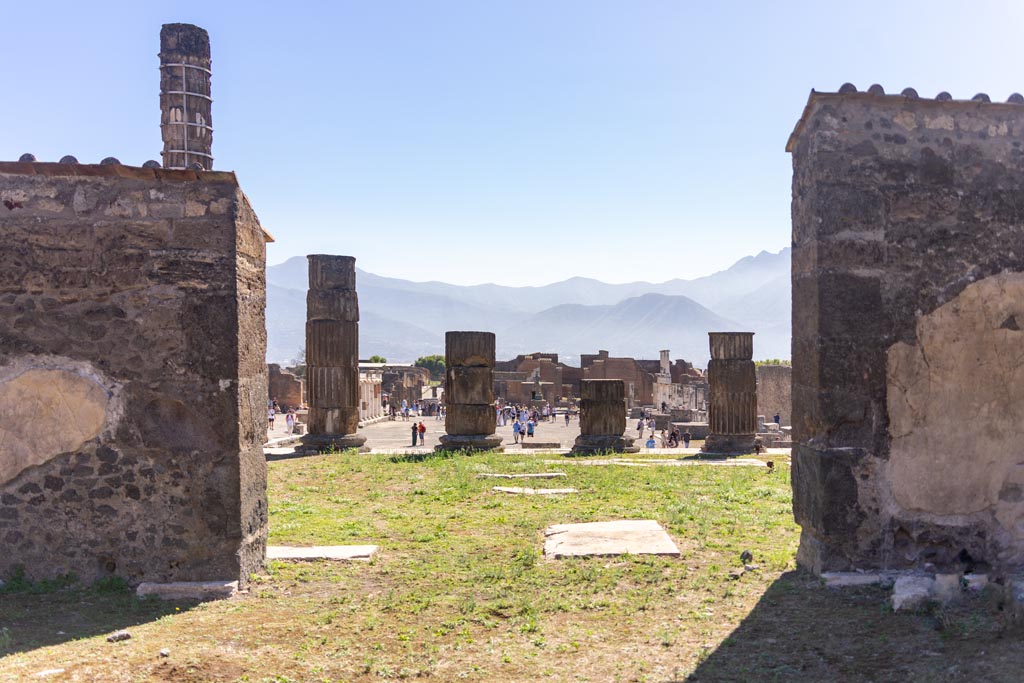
column 514, row 142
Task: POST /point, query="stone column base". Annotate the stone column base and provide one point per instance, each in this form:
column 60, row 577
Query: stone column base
column 469, row 442
column 590, row 444
column 318, row 443
column 729, row 444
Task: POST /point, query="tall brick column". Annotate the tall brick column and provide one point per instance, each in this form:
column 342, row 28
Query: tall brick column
column 186, row 119
column 332, row 354
column 603, row 418
column 469, row 392
column 732, row 393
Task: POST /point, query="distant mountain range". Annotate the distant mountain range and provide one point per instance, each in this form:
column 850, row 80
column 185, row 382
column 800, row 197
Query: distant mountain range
column 403, row 320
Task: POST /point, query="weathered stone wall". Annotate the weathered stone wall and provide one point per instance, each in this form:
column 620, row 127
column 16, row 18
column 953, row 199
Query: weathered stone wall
column 132, row 375
column 638, row 383
column 404, row 382
column 908, row 306
column 774, row 392
column 284, row 387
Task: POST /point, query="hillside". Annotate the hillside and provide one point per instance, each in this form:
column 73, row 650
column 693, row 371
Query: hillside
column 403, row 320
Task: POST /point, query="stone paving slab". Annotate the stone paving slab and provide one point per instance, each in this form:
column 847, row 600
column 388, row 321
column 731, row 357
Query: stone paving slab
column 531, row 475
column 541, row 444
column 532, row 492
column 628, row 462
column 188, row 590
column 629, row 536
column 321, row 552
column 847, row 579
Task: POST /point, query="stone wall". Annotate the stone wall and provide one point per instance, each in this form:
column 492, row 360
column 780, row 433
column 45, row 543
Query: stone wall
column 908, row 310
column 638, row 383
column 774, row 392
column 284, row 387
column 133, row 383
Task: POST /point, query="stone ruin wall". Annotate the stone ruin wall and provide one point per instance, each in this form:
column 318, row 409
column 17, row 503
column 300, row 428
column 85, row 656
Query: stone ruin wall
column 132, row 374
column 284, row 386
column 908, row 320
column 774, row 392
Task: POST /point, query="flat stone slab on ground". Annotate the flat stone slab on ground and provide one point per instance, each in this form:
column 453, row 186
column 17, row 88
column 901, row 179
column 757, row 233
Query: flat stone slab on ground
column 321, row 552
column 912, row 592
column 629, row 536
column 541, row 444
column 532, row 492
column 848, row 579
column 530, row 475
column 188, row 590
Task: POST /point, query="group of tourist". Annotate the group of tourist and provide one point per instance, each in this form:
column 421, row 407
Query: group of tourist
column 666, row 439
column 525, row 419
column 290, row 418
column 414, row 410
column 510, row 413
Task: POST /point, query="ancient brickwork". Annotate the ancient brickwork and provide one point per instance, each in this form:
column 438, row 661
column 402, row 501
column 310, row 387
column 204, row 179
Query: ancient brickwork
column 732, row 393
column 132, row 374
column 908, row 310
column 471, row 419
column 603, row 418
column 774, row 392
column 638, row 382
column 332, row 354
column 404, row 383
column 284, row 387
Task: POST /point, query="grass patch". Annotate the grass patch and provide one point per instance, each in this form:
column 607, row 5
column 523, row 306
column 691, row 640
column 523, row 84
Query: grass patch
column 460, row 589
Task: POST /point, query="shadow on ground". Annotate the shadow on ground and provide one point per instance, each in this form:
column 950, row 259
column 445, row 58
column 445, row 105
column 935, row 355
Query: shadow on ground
column 32, row 619
column 801, row 631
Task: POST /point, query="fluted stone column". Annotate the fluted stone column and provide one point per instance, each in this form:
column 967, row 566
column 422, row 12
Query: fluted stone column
column 469, row 392
column 732, row 393
column 603, row 418
column 332, row 354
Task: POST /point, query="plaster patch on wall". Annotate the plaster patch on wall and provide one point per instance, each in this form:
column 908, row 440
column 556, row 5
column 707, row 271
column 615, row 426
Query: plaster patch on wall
column 45, row 412
column 956, row 406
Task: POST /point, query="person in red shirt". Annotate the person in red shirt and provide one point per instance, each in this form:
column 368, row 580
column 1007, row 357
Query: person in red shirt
column 423, row 430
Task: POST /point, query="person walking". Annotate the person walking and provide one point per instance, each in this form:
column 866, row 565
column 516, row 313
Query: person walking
column 686, row 439
column 422, row 430
column 516, row 428
column 271, row 413
column 567, row 417
column 289, row 421
column 530, row 427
